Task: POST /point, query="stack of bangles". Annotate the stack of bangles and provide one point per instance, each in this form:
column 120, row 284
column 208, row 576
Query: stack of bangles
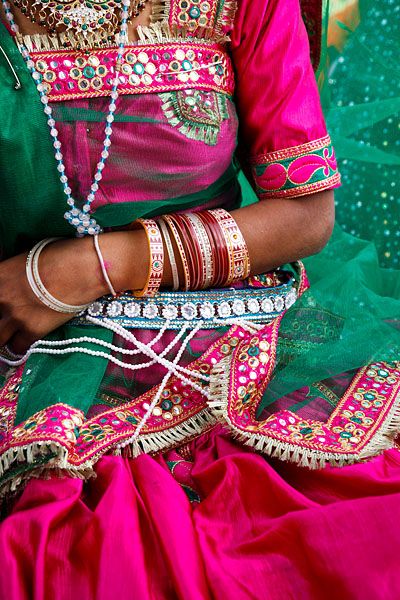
column 211, row 248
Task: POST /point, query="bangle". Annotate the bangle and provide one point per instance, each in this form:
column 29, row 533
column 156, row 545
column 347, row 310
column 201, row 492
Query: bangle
column 102, row 264
column 37, row 286
column 156, row 251
column 239, row 258
column 190, row 245
column 205, row 250
column 220, row 250
column 181, row 250
column 171, row 255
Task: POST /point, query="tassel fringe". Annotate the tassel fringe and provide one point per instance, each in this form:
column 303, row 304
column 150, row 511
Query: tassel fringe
column 305, row 457
column 227, row 17
column 170, row 438
column 56, row 460
column 160, row 32
column 55, row 457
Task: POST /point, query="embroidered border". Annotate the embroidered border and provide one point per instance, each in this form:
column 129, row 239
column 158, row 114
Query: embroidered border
column 145, row 68
column 296, row 171
column 365, row 422
column 202, row 18
column 60, row 438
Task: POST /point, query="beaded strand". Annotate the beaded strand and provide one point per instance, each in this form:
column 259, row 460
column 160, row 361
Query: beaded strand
column 157, row 396
column 78, row 218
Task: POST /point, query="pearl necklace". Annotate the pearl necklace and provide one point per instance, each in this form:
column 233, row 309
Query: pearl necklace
column 77, row 217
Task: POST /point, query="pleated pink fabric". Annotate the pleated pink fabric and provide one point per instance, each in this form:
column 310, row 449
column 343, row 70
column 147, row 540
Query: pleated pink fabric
column 262, row 529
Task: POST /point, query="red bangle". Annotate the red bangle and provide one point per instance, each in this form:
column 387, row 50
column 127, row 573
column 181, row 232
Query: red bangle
column 239, row 258
column 189, row 247
column 205, row 250
column 191, row 241
column 220, row 250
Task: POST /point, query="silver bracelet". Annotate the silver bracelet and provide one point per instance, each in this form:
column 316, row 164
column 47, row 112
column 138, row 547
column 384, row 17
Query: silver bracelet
column 103, row 265
column 171, row 255
column 39, row 289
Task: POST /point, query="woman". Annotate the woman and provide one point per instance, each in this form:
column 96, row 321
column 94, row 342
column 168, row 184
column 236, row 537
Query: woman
column 120, row 470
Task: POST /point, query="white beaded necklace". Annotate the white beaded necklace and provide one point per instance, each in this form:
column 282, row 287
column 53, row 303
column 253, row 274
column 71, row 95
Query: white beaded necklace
column 77, row 217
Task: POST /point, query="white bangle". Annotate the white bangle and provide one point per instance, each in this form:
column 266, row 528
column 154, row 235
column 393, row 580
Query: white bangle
column 205, row 244
column 102, row 265
column 37, row 286
column 171, row 255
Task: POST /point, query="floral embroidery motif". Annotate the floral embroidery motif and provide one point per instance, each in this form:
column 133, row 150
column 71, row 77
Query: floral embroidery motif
column 145, row 69
column 296, row 171
column 197, row 114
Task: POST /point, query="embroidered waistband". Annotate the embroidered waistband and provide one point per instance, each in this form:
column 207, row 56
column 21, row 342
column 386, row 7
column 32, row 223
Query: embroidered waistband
column 214, row 307
column 68, row 75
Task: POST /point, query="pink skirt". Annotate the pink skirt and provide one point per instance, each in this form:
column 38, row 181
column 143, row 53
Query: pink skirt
column 212, row 521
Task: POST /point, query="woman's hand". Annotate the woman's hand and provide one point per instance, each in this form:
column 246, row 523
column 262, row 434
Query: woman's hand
column 71, row 272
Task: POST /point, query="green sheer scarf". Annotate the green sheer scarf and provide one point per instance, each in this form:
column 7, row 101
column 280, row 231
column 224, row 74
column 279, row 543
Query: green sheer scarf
column 351, row 315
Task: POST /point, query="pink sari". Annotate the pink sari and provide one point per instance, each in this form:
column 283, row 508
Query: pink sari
column 211, row 521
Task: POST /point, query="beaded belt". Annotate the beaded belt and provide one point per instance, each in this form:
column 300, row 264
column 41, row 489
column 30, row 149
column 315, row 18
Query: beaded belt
column 214, row 307
column 155, row 68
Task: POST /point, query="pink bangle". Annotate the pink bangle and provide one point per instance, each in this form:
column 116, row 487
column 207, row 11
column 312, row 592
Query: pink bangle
column 156, row 250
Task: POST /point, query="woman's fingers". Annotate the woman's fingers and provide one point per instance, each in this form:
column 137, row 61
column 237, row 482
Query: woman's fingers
column 19, row 343
column 7, row 330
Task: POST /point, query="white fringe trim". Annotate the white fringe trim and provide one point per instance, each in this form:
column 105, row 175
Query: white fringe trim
column 304, row 457
column 172, row 437
column 160, row 10
column 158, row 32
column 162, row 33
column 39, row 42
column 58, row 464
column 228, row 15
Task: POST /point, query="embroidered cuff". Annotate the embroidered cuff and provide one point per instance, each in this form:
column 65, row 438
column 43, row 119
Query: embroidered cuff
column 296, row 171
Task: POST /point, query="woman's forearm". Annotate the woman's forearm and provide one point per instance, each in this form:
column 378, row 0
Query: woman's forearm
column 276, row 231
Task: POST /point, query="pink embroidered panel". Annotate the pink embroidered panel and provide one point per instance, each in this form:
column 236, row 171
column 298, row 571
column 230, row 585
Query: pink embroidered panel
column 68, row 75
